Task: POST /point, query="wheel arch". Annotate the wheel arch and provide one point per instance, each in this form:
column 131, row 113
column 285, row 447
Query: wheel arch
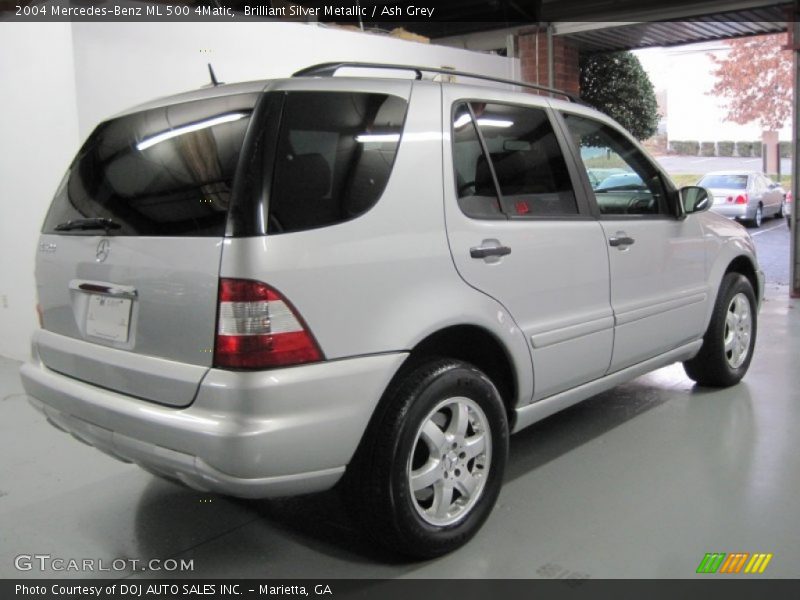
column 744, row 265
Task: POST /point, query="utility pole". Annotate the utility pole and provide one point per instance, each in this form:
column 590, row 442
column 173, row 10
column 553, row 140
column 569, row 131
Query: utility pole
column 794, row 255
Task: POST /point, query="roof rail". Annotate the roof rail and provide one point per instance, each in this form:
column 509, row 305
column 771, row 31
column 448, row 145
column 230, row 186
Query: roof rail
column 329, row 70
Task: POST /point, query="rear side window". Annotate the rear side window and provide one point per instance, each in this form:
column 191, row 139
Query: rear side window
column 161, row 172
column 508, row 163
column 333, row 157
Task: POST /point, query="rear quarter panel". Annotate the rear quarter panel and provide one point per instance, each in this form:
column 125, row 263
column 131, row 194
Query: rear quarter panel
column 385, row 280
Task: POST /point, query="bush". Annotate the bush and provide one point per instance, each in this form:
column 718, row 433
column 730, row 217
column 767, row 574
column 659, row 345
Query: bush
column 744, row 149
column 757, row 149
column 786, row 149
column 707, row 149
column 725, row 148
column 685, row 148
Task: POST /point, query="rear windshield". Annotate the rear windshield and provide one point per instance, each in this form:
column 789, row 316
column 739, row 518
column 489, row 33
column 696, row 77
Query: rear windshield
column 315, row 159
column 730, row 182
column 161, row 172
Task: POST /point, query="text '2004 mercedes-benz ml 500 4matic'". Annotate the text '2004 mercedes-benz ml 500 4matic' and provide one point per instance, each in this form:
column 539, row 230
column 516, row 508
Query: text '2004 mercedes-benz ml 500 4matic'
column 272, row 288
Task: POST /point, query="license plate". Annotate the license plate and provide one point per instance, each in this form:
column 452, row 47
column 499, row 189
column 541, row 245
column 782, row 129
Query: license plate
column 108, row 318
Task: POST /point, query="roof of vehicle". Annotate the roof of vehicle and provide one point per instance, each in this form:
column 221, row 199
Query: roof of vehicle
column 326, row 71
column 733, row 172
column 209, row 91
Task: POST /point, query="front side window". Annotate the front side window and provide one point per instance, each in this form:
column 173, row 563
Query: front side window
column 624, row 181
column 508, row 163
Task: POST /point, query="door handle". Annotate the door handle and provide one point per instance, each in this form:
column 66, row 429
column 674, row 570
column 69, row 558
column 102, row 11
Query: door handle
column 621, row 241
column 487, row 251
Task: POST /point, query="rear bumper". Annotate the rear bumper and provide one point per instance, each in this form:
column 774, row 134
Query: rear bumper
column 734, row 211
column 247, row 434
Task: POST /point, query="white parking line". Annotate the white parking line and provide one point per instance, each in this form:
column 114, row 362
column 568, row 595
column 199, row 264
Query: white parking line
column 768, row 229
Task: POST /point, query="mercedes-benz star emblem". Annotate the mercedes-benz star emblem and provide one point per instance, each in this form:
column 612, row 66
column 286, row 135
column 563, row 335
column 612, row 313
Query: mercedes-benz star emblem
column 103, row 248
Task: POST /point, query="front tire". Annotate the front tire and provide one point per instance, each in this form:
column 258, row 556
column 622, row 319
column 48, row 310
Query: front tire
column 430, row 467
column 729, row 341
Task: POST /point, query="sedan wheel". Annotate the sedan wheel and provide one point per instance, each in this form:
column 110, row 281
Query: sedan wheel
column 758, row 218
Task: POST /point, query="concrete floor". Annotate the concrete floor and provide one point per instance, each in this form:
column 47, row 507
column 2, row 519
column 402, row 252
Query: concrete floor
column 641, row 481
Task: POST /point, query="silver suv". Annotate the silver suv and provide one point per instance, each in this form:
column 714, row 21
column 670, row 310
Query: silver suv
column 272, row 288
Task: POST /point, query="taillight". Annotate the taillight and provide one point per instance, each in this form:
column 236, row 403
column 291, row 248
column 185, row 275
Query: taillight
column 257, row 328
column 741, row 199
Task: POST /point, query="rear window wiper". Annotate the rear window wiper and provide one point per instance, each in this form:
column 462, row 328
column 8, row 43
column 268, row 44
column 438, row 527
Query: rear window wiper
column 93, row 223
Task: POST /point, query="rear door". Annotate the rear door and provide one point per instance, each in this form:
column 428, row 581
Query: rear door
column 518, row 232
column 659, row 290
column 128, row 262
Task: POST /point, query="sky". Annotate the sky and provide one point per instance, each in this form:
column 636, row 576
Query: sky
column 686, row 74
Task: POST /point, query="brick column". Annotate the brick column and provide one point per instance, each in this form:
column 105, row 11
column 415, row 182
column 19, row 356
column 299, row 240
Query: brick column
column 532, row 48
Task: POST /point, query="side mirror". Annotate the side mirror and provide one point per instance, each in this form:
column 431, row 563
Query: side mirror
column 695, row 199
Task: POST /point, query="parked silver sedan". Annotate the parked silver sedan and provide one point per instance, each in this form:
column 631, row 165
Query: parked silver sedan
column 745, row 195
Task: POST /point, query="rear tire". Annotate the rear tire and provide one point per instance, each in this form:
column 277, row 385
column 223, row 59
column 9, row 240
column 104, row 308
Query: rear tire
column 781, row 209
column 430, row 467
column 730, row 338
column 756, row 221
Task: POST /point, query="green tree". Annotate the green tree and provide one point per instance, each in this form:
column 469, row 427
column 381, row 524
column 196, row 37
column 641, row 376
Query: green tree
column 616, row 84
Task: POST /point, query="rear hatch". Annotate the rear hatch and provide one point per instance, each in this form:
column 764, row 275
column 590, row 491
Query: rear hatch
column 128, row 262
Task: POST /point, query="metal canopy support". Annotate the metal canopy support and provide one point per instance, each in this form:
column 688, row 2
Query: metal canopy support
column 794, row 256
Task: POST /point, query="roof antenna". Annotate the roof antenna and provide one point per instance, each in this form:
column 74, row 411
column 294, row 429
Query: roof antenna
column 214, row 81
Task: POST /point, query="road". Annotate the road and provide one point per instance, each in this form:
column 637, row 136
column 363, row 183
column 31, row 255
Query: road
column 704, row 164
column 772, row 247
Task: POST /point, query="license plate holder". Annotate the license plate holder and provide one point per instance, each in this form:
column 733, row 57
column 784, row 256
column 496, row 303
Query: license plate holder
column 108, row 318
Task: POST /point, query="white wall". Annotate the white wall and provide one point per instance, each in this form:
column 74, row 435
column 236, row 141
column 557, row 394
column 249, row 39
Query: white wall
column 60, row 80
column 122, row 64
column 38, row 137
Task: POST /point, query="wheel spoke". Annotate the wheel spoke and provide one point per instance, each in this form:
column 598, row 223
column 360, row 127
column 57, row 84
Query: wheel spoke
column 474, row 445
column 426, row 476
column 729, row 341
column 467, row 485
column 731, row 320
column 433, row 436
column 459, row 420
column 442, row 498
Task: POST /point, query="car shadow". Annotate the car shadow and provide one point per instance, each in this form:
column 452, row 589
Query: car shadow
column 321, row 523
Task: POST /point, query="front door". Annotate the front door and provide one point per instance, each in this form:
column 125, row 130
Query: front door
column 658, row 282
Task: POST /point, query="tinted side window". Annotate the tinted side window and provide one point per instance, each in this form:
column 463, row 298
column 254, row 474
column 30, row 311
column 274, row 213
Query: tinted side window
column 624, row 181
column 333, row 159
column 166, row 171
column 524, row 153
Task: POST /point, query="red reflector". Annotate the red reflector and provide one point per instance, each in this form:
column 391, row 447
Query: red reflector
column 264, row 351
column 522, row 208
column 741, row 199
column 257, row 328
